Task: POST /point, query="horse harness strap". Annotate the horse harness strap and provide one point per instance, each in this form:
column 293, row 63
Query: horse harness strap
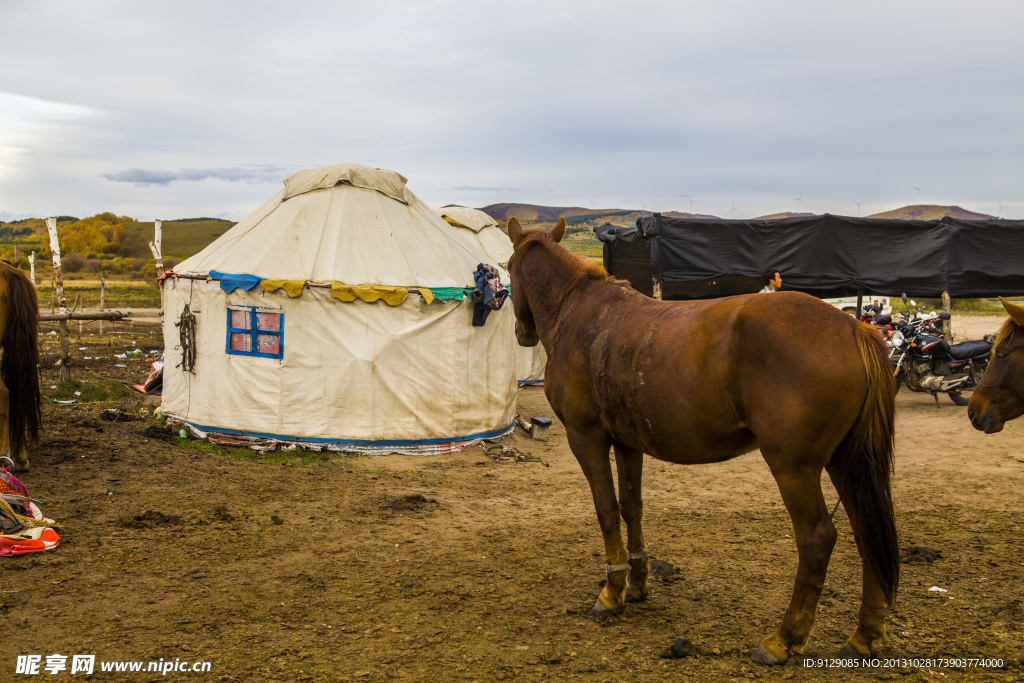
column 642, row 555
column 617, row 567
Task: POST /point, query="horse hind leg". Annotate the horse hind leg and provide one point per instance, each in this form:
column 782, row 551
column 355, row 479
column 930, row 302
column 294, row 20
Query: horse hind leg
column 874, row 607
column 20, row 459
column 815, row 537
column 630, row 463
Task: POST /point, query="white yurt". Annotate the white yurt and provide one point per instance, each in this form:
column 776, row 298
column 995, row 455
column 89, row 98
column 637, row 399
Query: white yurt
column 338, row 315
column 485, row 231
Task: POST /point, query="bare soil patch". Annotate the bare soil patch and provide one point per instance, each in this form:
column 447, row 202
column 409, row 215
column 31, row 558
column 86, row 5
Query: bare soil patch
column 458, row 567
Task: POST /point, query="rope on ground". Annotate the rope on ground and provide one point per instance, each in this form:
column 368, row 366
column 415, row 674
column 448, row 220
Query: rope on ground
column 511, row 454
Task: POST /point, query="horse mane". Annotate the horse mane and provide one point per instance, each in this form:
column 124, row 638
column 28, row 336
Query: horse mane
column 581, row 267
column 1005, row 332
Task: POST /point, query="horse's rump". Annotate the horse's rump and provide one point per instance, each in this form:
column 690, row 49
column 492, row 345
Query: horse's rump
column 19, row 367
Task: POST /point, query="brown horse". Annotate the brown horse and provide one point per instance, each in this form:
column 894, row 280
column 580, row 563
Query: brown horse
column 999, row 396
column 703, row 382
column 19, row 374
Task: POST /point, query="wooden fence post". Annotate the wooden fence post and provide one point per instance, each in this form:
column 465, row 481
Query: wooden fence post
column 32, row 266
column 947, row 306
column 58, row 281
column 156, row 246
column 103, row 297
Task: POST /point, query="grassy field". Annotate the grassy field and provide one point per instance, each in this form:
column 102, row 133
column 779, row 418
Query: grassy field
column 584, row 244
column 120, row 294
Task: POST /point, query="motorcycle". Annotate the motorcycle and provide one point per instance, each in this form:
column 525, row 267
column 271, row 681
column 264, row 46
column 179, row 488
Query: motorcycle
column 924, row 362
column 932, row 321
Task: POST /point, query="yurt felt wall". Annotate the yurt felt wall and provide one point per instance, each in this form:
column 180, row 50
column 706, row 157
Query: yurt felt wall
column 338, row 315
column 492, row 238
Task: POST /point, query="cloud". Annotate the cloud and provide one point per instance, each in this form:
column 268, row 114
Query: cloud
column 254, row 175
column 476, row 188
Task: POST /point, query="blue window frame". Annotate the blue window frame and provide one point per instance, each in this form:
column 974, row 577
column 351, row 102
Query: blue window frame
column 255, row 331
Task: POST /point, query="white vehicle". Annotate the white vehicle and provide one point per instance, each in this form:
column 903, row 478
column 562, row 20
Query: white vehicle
column 848, row 304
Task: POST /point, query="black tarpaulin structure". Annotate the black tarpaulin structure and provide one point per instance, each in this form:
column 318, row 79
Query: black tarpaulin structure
column 827, row 255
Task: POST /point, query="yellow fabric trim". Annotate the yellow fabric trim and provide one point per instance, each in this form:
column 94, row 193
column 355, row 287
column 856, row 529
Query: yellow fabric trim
column 452, row 221
column 392, row 296
column 292, row 287
column 427, row 295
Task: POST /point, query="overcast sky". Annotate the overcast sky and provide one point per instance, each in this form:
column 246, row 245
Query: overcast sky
column 201, row 108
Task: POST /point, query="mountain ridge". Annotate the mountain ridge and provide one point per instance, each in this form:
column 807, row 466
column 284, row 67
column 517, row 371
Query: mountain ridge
column 546, row 214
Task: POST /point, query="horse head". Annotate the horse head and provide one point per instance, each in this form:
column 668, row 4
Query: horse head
column 526, row 327
column 999, row 397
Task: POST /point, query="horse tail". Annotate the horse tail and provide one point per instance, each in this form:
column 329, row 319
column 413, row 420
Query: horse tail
column 19, row 367
column 864, row 463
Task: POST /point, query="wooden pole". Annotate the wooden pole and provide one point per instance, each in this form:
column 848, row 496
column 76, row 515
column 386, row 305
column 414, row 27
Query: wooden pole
column 32, row 266
column 860, row 303
column 74, row 307
column 947, row 329
column 58, row 280
column 103, row 298
column 156, row 246
column 71, row 315
column 17, row 254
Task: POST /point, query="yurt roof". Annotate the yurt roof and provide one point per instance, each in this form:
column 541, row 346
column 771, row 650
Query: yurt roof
column 464, row 217
column 346, row 223
column 484, row 230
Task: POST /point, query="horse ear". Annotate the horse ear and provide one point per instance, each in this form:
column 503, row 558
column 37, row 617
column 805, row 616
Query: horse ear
column 515, row 231
column 1016, row 312
column 558, row 232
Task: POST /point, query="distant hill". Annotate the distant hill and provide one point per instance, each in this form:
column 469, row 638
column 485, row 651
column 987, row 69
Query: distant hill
column 932, row 212
column 181, row 238
column 785, row 214
column 535, row 212
column 574, row 215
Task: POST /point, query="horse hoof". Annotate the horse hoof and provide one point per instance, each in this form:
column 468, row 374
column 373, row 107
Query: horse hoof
column 599, row 610
column 850, row 652
column 762, row 656
column 639, row 597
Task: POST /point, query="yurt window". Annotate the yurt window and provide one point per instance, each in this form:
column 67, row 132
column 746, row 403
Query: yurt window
column 255, row 331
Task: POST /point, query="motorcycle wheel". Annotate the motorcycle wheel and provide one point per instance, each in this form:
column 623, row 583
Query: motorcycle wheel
column 959, row 399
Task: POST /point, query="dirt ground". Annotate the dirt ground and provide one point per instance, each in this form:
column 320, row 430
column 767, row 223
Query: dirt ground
column 458, row 567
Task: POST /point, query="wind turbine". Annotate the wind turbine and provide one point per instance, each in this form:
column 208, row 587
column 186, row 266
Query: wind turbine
column 918, row 188
column 800, row 200
column 591, row 204
column 734, row 209
column 858, row 205
column 1001, row 207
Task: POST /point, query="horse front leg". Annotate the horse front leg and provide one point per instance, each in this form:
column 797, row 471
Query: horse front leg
column 630, row 465
column 591, row 451
column 815, row 538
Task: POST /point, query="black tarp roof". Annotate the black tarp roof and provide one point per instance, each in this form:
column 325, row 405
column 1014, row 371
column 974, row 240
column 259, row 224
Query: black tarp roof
column 832, row 255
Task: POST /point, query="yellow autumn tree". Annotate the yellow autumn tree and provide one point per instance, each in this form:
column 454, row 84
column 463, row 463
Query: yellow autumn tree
column 97, row 234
